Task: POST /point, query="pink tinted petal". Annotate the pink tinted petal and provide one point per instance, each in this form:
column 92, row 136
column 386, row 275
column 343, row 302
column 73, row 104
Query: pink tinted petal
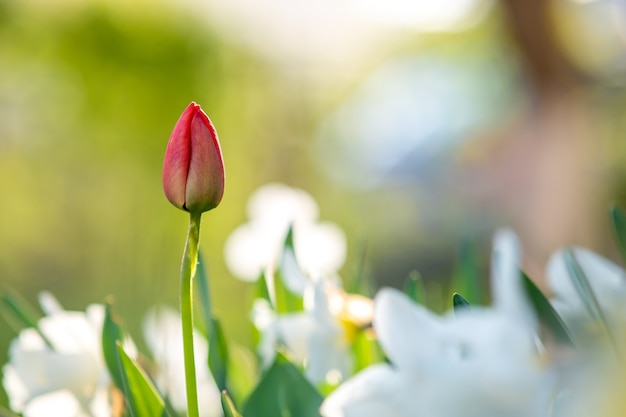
column 177, row 158
column 205, row 180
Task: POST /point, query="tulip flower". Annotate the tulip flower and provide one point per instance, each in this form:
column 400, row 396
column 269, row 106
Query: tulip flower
column 193, row 170
column 193, row 180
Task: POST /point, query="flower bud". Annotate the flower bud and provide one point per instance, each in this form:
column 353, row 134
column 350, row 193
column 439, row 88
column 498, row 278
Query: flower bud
column 193, row 170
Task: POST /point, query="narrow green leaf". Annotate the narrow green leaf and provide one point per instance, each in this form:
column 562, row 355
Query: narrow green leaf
column 414, row 288
column 366, row 349
column 285, row 301
column 218, row 347
column 228, row 406
column 204, row 290
column 467, row 277
column 218, row 355
column 112, row 334
column 283, row 391
column 459, row 303
column 15, row 307
column 585, row 291
column 243, row 372
column 546, row 314
column 263, row 290
column 146, row 400
column 618, row 218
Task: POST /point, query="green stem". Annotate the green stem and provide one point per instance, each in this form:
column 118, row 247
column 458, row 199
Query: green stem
column 187, row 272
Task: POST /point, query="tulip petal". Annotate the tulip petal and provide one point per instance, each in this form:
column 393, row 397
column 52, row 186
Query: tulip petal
column 205, row 178
column 177, row 158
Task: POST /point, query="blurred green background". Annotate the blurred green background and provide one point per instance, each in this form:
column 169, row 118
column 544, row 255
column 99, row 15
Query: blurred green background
column 414, row 130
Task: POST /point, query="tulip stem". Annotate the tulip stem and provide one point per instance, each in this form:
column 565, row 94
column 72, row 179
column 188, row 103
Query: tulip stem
column 187, row 273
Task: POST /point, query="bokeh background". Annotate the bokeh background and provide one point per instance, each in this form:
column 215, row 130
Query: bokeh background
column 419, row 127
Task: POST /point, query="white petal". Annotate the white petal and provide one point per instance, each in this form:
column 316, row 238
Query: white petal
column 42, row 370
column 101, row 403
column 248, row 251
column 292, row 275
column 369, row 394
column 294, row 331
column 329, row 353
column 262, row 314
column 278, row 205
column 49, row 304
column 55, row 404
column 407, row 332
column 320, row 248
column 15, row 388
column 71, row 332
column 604, row 276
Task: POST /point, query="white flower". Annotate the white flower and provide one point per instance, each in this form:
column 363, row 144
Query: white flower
column 479, row 362
column 164, row 335
column 68, row 380
column 594, row 384
column 316, row 337
column 320, row 247
column 608, row 283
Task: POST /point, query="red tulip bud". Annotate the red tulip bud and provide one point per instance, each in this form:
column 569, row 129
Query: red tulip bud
column 193, row 170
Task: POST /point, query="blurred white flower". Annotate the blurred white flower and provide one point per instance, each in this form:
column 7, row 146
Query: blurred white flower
column 319, row 336
column 320, row 247
column 163, row 333
column 608, row 283
column 68, row 380
column 477, row 362
column 594, row 380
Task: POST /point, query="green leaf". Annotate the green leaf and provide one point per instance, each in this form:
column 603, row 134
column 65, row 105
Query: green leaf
column 263, row 289
column 218, row 355
column 366, row 349
column 585, row 291
column 112, row 334
column 467, row 277
column 285, row 301
column 204, row 289
column 228, row 406
column 144, row 399
column 459, row 303
column 271, row 285
column 283, row 391
column 414, row 288
column 16, row 309
column 546, row 314
column 619, row 228
column 218, row 348
column 243, row 372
